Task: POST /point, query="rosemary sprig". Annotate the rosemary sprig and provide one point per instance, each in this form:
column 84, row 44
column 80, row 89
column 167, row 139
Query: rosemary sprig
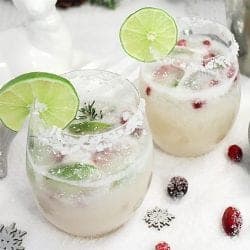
column 88, row 112
column 88, row 121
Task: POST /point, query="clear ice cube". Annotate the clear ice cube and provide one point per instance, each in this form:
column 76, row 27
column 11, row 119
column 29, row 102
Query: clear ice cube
column 169, row 75
column 200, row 80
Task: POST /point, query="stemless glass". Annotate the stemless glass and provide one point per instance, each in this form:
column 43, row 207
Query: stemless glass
column 90, row 184
column 192, row 96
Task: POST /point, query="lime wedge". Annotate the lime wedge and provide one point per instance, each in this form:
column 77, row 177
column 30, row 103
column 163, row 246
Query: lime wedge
column 74, row 172
column 88, row 127
column 149, row 34
column 56, row 95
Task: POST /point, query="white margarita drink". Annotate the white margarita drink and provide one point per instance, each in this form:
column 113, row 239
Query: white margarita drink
column 89, row 178
column 192, row 96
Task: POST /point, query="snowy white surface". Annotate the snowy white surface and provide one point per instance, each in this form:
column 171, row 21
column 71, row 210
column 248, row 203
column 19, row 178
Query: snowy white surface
column 214, row 182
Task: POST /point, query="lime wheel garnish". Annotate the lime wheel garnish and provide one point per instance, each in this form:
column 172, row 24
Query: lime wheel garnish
column 149, row 34
column 55, row 93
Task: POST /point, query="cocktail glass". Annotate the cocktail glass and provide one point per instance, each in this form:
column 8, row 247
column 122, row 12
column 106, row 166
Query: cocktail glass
column 90, row 183
column 193, row 96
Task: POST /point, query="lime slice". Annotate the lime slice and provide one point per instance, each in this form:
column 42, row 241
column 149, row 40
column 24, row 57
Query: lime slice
column 88, row 127
column 56, row 95
column 149, row 34
column 74, row 172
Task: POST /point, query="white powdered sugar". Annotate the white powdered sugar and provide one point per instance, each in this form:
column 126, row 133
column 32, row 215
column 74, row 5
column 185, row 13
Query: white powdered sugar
column 215, row 182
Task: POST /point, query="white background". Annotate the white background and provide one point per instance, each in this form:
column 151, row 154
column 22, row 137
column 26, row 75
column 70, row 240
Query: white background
column 214, row 182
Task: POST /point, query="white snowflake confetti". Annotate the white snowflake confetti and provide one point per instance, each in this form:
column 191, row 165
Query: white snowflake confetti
column 11, row 238
column 158, row 218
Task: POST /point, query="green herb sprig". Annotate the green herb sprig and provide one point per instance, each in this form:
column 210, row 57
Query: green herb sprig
column 88, row 112
column 87, row 121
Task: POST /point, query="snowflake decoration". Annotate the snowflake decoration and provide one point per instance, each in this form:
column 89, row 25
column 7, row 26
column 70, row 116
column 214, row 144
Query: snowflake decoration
column 158, row 218
column 11, row 238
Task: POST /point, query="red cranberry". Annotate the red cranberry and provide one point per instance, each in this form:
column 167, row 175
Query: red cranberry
column 177, row 187
column 169, row 72
column 124, row 117
column 206, row 42
column 164, row 70
column 148, row 91
column 102, row 157
column 231, row 72
column 198, row 104
column 57, row 156
column 232, row 221
column 214, row 82
column 208, row 58
column 162, row 246
column 182, row 43
column 235, row 153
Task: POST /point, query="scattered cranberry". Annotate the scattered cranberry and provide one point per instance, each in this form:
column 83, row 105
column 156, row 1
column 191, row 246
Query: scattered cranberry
column 148, row 91
column 177, row 187
column 162, row 246
column 182, row 43
column 232, row 221
column 214, row 82
column 198, row 104
column 208, row 58
column 231, row 72
column 235, row 153
column 206, row 42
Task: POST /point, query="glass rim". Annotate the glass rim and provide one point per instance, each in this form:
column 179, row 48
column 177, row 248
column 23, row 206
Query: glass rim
column 135, row 90
column 139, row 107
column 194, row 21
column 228, row 59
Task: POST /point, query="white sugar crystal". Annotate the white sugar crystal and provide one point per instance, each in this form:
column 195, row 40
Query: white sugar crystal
column 217, row 62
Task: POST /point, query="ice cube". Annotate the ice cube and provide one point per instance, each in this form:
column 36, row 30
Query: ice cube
column 169, row 75
column 200, row 80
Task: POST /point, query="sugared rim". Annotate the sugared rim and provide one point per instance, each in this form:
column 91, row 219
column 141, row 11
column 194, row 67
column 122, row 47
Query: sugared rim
column 139, row 101
column 187, row 24
column 51, row 133
column 199, row 21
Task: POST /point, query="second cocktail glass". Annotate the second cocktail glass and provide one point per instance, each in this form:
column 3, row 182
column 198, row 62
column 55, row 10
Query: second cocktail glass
column 193, row 96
